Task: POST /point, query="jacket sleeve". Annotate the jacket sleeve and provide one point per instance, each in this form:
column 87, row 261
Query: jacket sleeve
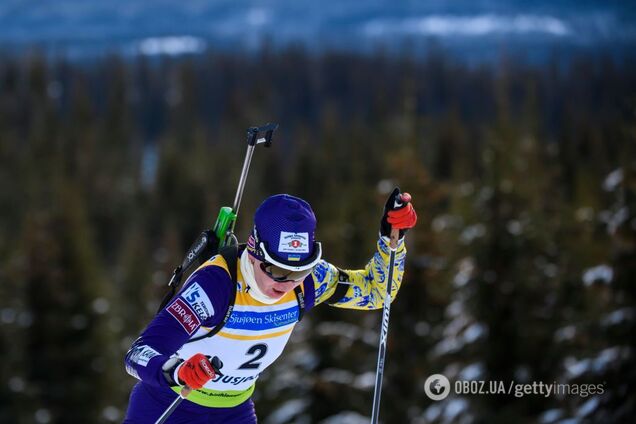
column 202, row 301
column 360, row 288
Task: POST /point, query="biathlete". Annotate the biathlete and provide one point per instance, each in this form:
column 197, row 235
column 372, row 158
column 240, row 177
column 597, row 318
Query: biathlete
column 278, row 276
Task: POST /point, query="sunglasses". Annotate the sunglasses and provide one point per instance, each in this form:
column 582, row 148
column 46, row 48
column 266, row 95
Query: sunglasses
column 282, row 275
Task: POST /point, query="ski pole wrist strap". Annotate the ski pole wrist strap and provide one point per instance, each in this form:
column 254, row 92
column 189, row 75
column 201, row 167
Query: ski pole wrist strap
column 341, row 288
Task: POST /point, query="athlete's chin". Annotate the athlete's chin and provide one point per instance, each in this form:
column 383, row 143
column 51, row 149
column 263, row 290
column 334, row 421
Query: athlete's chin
column 276, row 293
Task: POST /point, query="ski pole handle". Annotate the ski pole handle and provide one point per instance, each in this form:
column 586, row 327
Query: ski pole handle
column 185, row 391
column 253, row 132
column 216, row 363
column 252, row 140
column 400, row 202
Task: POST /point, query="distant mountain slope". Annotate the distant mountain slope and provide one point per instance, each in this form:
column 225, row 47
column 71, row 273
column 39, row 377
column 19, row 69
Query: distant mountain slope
column 85, row 28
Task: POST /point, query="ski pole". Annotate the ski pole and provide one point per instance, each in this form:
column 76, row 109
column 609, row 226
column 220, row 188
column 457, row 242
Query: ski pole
column 379, row 373
column 224, row 224
column 185, row 391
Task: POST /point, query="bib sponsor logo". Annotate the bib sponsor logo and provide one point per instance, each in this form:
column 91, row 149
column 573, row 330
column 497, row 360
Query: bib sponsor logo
column 141, row 355
column 182, row 312
column 235, row 381
column 262, row 320
column 196, row 297
column 293, row 242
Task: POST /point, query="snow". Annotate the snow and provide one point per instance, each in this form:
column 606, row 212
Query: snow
column 101, row 305
column 466, row 189
column 289, row 378
column 614, row 219
column 550, row 416
column 613, row 179
column 455, row 309
column 340, row 329
column 486, row 193
column 522, row 374
column 172, row 45
column 514, row 227
column 565, row 333
column 304, row 358
column 588, row 407
column 258, row 17
column 287, row 411
column 454, row 327
column 433, row 412
column 445, row 346
column 25, row 319
column 597, row 364
column 111, row 413
column 348, row 333
column 602, row 273
column 385, row 187
column 454, row 408
column 472, row 372
column 472, row 232
column 8, row 315
column 444, row 222
column 584, row 214
column 618, row 316
column 17, row 384
column 42, row 416
column 422, row 328
column 474, row 332
column 346, row 417
column 453, row 342
column 365, row 381
column 550, row 270
column 465, row 272
column 468, row 26
column 608, row 356
column 338, row 376
column 576, row 368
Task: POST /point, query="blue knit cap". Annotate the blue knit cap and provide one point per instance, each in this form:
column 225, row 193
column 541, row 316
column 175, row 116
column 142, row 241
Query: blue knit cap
column 283, row 233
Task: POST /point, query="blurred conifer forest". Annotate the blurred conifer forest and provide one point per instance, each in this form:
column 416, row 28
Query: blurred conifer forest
column 522, row 266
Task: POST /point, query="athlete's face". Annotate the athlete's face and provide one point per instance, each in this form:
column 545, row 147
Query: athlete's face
column 269, row 287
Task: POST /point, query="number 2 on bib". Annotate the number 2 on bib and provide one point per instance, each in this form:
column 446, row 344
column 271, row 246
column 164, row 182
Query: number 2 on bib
column 259, row 350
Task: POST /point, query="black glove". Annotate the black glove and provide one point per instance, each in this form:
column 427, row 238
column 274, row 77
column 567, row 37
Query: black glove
column 398, row 214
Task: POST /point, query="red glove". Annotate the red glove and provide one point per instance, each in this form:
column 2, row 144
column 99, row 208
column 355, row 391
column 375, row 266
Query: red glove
column 196, row 371
column 405, row 217
column 398, row 214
